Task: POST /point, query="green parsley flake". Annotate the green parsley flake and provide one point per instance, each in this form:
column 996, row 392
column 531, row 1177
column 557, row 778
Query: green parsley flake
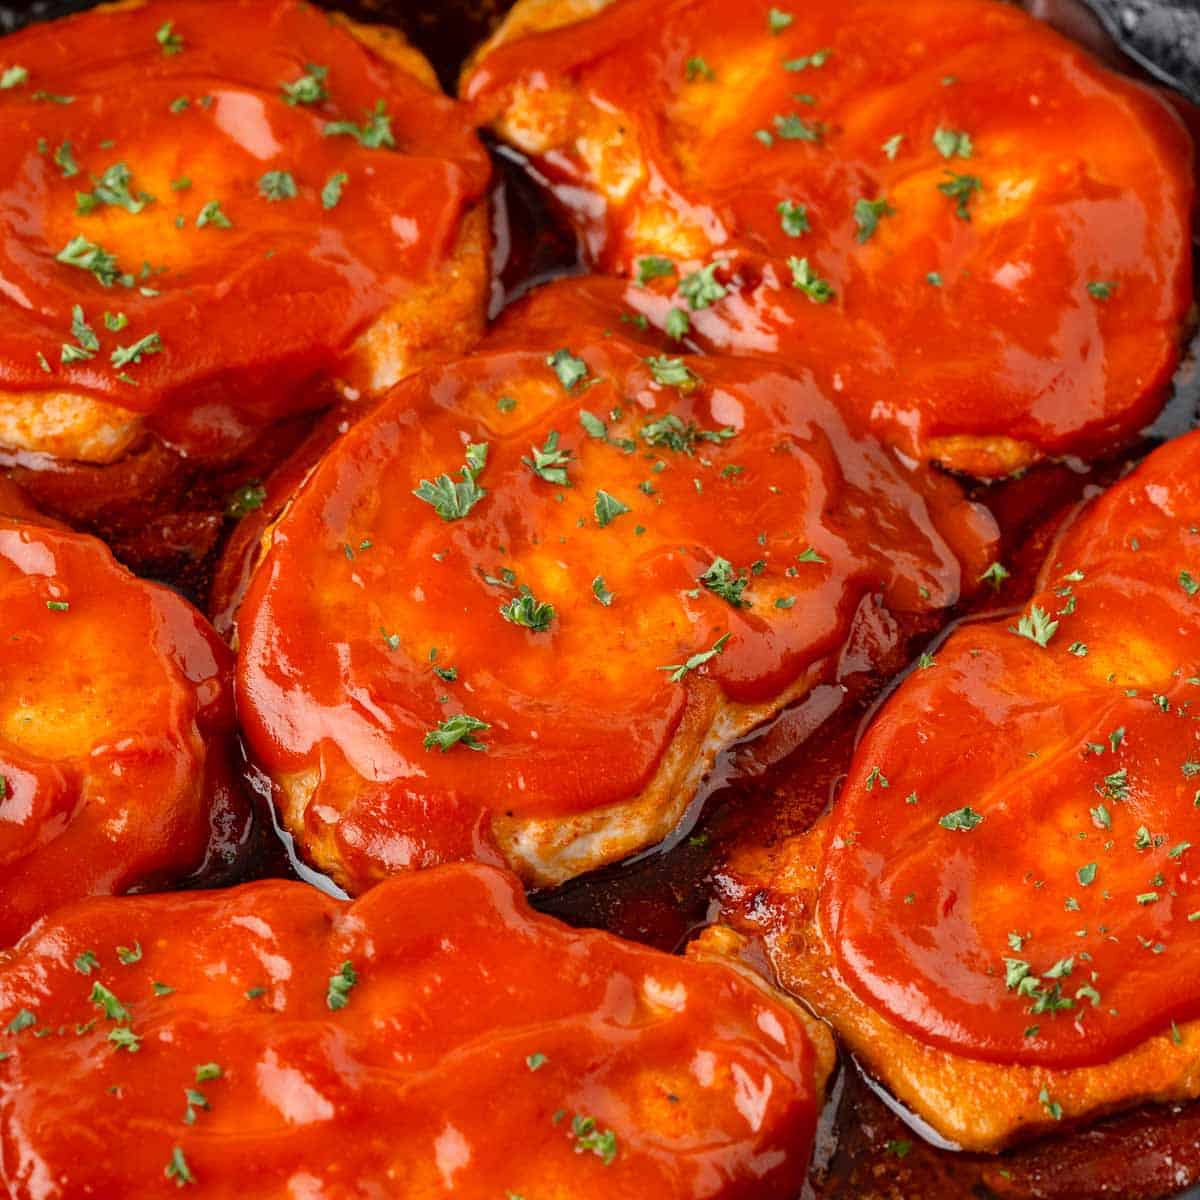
column 701, row 289
column 12, row 77
column 679, row 670
column 569, row 369
column 331, row 193
column 89, row 256
column 653, row 266
column 722, row 580
column 868, row 214
column 1101, row 289
column 678, row 324
column 452, row 501
column 549, row 463
column 309, row 88
column 64, row 157
column 375, row 133
column 460, row 728
column 608, row 508
column 277, row 185
column 211, row 214
column 962, row 820
column 952, row 142
column 178, row 1169
column 150, row 344
column 672, row 372
column 778, row 20
column 601, row 592
column 818, row 290
column 793, row 218
column 170, row 41
column 1035, row 625
column 960, row 189
column 245, row 500
column 817, row 59
column 340, row 985
column 525, row 610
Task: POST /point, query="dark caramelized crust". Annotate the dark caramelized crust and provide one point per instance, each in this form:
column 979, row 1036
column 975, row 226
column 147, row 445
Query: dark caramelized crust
column 961, row 223
column 646, row 557
column 116, row 714
column 210, row 205
column 435, row 1038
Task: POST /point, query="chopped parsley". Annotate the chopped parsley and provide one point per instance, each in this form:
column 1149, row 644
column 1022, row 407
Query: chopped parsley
column 341, row 982
column 672, row 372
column 669, row 431
column 525, row 610
column 588, row 1137
column 459, row 728
column 331, row 193
column 86, row 342
column 569, row 369
column 960, row 189
column 1189, row 583
column 375, row 132
column 150, row 344
column 211, row 214
column 12, row 77
column 89, row 256
column 817, row 59
column 793, row 217
column 178, row 1169
column 601, row 592
column 697, row 68
column 868, row 214
column 112, row 188
column 608, row 508
column 951, row 143
column 64, row 157
column 679, row 670
column 722, row 580
column 1035, row 625
column 962, row 820
column 245, row 500
column 892, row 146
column 309, row 88
column 1101, row 289
column 778, row 20
column 678, row 324
column 549, row 463
column 277, row 185
column 170, row 41
column 818, row 290
column 653, row 266
column 700, row 288
column 996, row 574
column 453, row 500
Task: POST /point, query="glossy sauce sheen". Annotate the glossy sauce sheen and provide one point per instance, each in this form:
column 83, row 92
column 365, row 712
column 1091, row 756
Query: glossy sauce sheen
column 116, row 719
column 366, row 593
column 1083, row 178
column 1082, row 758
column 245, row 314
column 471, row 1039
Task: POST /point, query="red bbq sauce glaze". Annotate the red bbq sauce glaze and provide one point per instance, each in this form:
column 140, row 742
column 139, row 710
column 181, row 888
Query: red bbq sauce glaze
column 265, row 1036
column 1039, row 307
column 371, row 620
column 314, row 232
column 1037, row 901
column 116, row 718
